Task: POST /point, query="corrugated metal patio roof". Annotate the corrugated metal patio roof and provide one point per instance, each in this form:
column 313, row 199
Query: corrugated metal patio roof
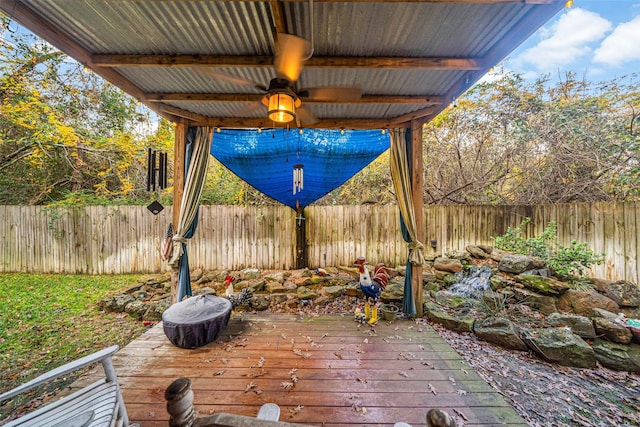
column 410, row 58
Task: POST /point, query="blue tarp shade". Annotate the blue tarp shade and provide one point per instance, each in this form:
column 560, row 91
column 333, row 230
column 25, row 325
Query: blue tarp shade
column 265, row 159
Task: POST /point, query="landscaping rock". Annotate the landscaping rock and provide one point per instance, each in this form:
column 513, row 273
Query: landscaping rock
column 205, row 291
column 333, row 292
column 155, row 310
column 617, row 356
column 436, row 314
column 250, row 273
column 625, row 294
column 477, row 252
column 278, row 298
column 394, row 292
column 517, row 263
column 500, row 331
column 305, row 272
column 611, row 330
column 203, row 280
column 275, row 277
column 459, row 255
column 579, row 325
column 259, row 302
column 498, row 282
column 195, row 275
column 353, row 290
column 497, row 254
column 257, row 285
column 601, row 285
column 136, row 309
column 447, row 265
column 584, row 302
column 322, row 301
column 560, row 345
column 299, row 281
column 117, row 304
column 495, row 302
column 155, row 279
column 339, row 282
column 450, row 300
column 274, row 287
column 305, row 293
column 542, row 303
column 542, row 285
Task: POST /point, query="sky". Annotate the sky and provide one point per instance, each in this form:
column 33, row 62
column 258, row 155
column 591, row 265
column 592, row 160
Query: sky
column 596, row 39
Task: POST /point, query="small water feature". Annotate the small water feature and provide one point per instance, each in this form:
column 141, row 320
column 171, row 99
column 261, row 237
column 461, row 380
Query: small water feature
column 473, row 283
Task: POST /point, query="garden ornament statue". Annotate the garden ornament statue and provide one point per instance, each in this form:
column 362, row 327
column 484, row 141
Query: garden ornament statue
column 371, row 287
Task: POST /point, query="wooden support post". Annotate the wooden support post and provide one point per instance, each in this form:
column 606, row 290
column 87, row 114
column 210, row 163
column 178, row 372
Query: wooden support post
column 417, row 182
column 301, row 239
column 179, row 149
column 179, row 397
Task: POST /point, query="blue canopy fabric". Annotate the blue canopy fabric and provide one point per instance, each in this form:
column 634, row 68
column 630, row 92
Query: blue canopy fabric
column 265, row 159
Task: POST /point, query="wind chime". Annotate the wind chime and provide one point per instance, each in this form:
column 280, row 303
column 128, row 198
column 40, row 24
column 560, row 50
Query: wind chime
column 156, row 176
column 298, row 178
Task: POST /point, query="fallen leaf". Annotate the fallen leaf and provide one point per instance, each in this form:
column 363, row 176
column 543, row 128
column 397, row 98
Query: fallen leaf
column 460, row 414
column 432, row 389
column 461, row 392
column 299, row 352
column 217, row 374
column 287, row 385
column 294, row 411
column 250, row 387
column 338, row 355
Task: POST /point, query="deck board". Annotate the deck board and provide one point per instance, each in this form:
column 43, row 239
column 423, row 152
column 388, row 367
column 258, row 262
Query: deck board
column 348, row 374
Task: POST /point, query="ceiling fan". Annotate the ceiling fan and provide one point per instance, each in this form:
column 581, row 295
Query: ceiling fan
column 282, row 99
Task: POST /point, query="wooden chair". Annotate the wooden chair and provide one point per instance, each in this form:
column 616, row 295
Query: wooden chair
column 97, row 404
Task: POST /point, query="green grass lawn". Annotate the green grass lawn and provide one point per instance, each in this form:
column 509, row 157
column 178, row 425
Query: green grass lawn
column 48, row 320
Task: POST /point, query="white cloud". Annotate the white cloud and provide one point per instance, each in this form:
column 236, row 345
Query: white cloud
column 566, row 42
column 621, row 46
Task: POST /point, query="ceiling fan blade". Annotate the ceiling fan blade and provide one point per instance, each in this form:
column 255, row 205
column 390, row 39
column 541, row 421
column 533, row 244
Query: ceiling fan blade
column 305, row 117
column 210, row 72
column 291, row 52
column 332, row 93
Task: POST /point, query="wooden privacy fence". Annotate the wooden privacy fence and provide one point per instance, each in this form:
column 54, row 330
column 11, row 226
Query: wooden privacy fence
column 127, row 239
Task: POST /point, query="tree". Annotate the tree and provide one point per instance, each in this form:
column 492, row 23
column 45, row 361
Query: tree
column 513, row 142
column 67, row 136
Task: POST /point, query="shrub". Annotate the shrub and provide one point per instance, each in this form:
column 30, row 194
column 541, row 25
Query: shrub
column 565, row 261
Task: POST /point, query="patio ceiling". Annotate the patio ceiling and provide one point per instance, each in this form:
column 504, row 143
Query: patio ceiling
column 409, row 58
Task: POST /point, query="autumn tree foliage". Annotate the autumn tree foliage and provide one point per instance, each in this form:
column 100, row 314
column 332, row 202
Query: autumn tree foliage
column 515, row 142
column 66, row 135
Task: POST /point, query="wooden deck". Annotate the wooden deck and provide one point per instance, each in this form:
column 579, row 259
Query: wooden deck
column 347, row 374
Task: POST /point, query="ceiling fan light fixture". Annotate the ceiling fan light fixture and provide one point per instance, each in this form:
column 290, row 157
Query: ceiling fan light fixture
column 281, row 102
column 282, row 108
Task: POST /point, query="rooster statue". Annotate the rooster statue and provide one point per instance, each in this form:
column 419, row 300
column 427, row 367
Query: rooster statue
column 372, row 287
column 236, row 298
